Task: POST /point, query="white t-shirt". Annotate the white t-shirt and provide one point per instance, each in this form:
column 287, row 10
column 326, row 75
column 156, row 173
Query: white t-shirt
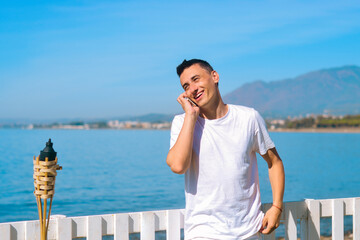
column 222, row 184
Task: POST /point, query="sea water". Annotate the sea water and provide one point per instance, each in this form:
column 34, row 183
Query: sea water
column 114, row 171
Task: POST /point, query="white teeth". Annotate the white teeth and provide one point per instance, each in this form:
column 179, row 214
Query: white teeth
column 199, row 94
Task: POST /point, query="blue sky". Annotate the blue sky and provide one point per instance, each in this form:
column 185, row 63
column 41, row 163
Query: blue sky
column 93, row 59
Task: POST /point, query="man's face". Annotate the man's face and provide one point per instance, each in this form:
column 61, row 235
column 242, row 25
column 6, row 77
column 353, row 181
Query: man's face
column 199, row 84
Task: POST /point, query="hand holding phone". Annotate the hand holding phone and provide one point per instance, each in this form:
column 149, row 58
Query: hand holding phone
column 192, row 102
column 189, row 106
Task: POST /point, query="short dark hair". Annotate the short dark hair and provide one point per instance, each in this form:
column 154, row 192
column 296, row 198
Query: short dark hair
column 185, row 64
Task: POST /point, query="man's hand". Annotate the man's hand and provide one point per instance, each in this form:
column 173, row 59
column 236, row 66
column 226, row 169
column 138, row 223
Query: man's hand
column 271, row 220
column 187, row 106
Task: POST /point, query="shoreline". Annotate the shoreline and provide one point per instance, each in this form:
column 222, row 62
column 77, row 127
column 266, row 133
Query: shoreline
column 291, row 130
column 317, row 130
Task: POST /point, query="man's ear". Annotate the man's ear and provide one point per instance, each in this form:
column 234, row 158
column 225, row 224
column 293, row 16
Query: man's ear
column 215, row 77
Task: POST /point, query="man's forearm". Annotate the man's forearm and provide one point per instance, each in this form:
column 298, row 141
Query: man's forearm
column 277, row 181
column 179, row 156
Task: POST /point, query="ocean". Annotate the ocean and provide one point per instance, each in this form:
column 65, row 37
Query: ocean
column 114, row 171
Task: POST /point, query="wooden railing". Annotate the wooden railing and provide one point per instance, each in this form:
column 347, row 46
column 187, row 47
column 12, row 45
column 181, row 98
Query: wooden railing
column 307, row 212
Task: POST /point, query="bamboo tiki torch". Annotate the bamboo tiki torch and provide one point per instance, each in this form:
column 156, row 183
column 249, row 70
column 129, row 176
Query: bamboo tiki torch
column 45, row 166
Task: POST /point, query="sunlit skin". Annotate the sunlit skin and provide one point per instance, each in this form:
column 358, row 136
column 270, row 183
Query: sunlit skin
column 201, row 86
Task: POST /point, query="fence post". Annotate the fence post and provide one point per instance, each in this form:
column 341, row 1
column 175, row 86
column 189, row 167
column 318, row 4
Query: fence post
column 94, row 228
column 5, row 231
column 64, row 229
column 121, row 226
column 356, row 219
column 173, row 225
column 32, row 230
column 147, row 226
column 337, row 219
column 290, row 225
column 313, row 219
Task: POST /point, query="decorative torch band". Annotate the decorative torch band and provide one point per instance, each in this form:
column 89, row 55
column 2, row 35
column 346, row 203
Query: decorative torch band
column 45, row 167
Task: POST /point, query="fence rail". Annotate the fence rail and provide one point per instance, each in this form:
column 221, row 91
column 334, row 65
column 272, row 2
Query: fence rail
column 120, row 225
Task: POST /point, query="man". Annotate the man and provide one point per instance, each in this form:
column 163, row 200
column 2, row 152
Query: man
column 214, row 144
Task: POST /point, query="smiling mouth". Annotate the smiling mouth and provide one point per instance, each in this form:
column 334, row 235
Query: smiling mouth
column 198, row 95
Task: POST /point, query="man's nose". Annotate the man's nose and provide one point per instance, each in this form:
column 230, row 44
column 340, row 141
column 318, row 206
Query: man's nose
column 193, row 88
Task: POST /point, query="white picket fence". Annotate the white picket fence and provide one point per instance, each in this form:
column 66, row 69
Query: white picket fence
column 307, row 212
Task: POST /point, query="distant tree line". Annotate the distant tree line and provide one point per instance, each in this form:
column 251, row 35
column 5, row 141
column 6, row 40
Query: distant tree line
column 324, row 122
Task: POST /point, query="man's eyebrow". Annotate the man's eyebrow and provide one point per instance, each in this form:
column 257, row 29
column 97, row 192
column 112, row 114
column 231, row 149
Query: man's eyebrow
column 192, row 78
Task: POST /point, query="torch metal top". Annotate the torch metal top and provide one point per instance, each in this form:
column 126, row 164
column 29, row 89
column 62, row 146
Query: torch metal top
column 48, row 152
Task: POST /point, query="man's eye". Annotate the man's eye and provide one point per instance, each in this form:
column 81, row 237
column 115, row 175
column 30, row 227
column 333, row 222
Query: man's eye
column 186, row 87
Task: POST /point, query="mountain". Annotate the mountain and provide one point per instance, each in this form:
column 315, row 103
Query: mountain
column 335, row 91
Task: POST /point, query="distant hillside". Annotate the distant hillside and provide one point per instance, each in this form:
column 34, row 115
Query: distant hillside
column 335, row 91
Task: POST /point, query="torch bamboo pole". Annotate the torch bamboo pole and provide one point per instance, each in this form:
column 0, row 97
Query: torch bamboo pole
column 45, row 205
column 38, row 200
column 47, row 225
column 38, row 206
column 44, row 220
column 40, row 219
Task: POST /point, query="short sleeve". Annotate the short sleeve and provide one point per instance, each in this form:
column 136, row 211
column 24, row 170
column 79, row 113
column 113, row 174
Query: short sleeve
column 176, row 126
column 262, row 140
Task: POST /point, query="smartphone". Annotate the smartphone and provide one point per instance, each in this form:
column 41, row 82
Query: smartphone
column 191, row 101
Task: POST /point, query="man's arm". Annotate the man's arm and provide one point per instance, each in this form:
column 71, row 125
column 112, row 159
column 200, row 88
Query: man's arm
column 277, row 180
column 179, row 156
